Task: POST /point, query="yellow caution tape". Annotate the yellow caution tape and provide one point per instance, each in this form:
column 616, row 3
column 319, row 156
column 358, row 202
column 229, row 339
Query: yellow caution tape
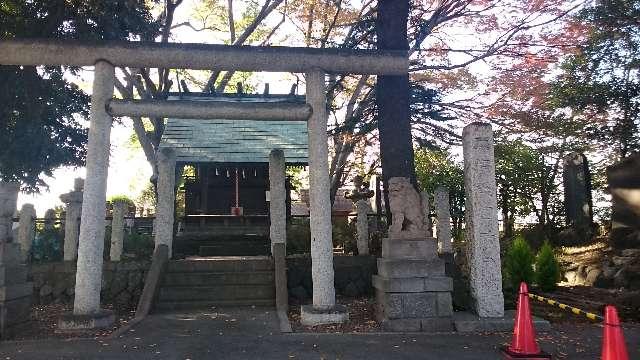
column 574, row 310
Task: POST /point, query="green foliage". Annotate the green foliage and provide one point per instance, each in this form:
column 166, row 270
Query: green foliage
column 547, row 272
column 522, row 180
column 121, row 198
column 298, row 236
column 294, row 173
column 344, row 234
column 140, row 245
column 518, row 263
column 600, row 84
column 47, row 246
column 39, row 129
column 436, row 167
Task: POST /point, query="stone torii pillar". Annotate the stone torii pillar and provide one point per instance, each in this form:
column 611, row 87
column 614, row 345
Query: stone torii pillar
column 73, row 209
column 324, row 309
column 277, row 197
column 86, row 306
column 481, row 212
column 163, row 224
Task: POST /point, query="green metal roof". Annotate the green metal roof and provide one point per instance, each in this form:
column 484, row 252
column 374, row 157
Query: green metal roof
column 236, row 141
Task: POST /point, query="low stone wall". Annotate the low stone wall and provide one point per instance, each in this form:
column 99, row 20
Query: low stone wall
column 352, row 275
column 122, row 282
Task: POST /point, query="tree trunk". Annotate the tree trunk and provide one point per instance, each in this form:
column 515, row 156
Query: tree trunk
column 392, row 95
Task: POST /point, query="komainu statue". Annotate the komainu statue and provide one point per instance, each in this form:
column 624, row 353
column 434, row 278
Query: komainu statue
column 406, row 210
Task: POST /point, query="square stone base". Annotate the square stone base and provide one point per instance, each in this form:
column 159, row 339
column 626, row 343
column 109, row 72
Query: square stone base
column 312, row 317
column 101, row 319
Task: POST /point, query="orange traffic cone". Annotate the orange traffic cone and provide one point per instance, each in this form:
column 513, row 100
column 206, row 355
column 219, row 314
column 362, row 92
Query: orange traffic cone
column 523, row 345
column 613, row 346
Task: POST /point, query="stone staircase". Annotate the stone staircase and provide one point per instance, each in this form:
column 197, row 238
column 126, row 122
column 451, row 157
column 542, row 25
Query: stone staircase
column 208, row 244
column 198, row 283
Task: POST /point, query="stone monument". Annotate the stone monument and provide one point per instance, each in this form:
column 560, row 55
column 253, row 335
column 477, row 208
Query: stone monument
column 578, row 203
column 481, row 212
column 117, row 230
column 624, row 185
column 73, row 206
column 443, row 218
column 360, row 197
column 412, row 291
column 26, row 231
column 15, row 290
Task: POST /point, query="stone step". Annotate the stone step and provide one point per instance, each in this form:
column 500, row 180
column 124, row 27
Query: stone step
column 234, row 249
column 222, row 264
column 406, row 268
column 188, row 305
column 217, row 278
column 216, row 293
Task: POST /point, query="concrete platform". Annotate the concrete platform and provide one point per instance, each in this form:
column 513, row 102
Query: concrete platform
column 253, row 333
column 467, row 322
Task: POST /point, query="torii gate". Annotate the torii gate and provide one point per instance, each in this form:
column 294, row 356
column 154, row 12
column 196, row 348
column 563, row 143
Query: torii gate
column 104, row 56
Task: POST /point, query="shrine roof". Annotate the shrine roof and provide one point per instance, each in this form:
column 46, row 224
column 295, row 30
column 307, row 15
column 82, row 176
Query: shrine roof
column 236, row 141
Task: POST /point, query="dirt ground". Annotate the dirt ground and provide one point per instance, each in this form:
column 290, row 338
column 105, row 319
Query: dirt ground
column 43, row 320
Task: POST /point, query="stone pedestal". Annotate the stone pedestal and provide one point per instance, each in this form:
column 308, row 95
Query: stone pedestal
column 412, row 291
column 15, row 291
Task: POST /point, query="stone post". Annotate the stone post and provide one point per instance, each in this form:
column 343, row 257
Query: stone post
column 443, row 219
column 482, row 220
column 277, row 198
column 117, row 230
column 49, row 220
column 15, row 291
column 578, row 203
column 73, row 207
column 363, row 207
column 166, row 198
column 324, row 300
column 426, row 211
column 91, row 242
column 26, row 231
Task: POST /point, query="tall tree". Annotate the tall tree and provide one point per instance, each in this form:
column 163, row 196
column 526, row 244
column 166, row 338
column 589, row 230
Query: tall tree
column 601, row 82
column 392, row 95
column 39, row 128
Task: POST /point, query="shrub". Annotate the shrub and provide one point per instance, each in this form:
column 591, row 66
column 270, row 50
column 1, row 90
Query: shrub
column 547, row 272
column 298, row 236
column 47, row 246
column 518, row 263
